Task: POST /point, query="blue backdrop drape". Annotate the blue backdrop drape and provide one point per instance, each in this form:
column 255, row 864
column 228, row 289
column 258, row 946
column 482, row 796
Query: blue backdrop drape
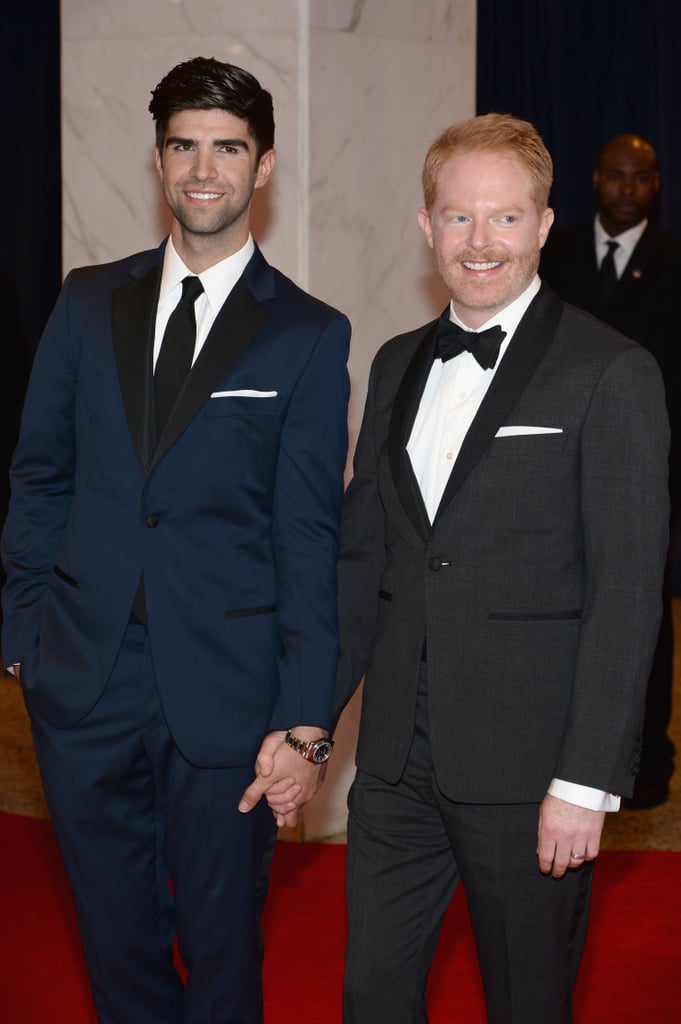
column 30, row 243
column 583, row 71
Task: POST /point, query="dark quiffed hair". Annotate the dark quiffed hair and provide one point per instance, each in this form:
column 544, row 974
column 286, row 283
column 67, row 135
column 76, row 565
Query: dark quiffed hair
column 205, row 83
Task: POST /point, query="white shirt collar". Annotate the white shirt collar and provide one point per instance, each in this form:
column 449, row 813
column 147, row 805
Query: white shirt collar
column 627, row 240
column 217, row 280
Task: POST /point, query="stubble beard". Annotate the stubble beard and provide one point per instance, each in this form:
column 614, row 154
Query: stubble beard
column 492, row 293
column 199, row 225
column 206, row 223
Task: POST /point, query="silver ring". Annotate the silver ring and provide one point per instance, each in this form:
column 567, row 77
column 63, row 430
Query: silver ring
column 577, row 856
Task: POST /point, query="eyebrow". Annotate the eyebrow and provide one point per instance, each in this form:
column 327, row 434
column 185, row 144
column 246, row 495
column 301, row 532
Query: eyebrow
column 614, row 168
column 179, row 140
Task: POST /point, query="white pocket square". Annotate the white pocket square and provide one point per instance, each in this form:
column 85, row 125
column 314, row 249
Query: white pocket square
column 245, row 393
column 518, row 431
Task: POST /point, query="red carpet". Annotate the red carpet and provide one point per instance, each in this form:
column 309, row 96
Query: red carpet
column 631, row 972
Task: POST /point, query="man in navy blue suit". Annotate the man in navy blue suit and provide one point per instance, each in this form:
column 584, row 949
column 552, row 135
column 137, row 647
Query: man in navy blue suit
column 170, row 550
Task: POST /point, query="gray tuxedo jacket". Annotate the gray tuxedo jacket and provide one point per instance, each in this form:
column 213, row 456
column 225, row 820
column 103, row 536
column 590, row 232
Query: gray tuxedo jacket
column 536, row 591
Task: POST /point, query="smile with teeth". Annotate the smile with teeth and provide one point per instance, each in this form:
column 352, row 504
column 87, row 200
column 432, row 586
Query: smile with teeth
column 472, row 265
column 204, row 195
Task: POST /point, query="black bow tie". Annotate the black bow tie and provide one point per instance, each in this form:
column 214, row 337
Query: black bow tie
column 452, row 340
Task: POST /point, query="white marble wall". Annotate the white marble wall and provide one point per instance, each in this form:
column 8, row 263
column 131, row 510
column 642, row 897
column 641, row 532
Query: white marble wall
column 360, row 89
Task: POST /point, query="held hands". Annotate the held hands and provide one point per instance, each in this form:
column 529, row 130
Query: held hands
column 285, row 778
column 567, row 835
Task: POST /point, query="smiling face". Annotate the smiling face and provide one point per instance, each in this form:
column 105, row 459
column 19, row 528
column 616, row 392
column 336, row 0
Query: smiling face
column 486, row 232
column 209, row 170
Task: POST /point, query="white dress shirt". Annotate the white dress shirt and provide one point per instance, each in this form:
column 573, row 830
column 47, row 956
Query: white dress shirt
column 626, row 243
column 451, row 398
column 218, row 281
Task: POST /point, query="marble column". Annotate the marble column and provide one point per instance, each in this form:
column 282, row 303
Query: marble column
column 360, row 88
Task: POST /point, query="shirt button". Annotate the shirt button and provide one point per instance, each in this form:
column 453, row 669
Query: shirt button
column 450, row 455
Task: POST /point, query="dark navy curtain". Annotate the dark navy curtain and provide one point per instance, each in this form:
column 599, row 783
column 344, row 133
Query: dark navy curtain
column 30, row 243
column 583, row 71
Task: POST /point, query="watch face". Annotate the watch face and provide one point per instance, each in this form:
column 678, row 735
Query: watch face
column 322, row 751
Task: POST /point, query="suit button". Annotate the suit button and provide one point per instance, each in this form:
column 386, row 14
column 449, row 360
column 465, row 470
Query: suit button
column 151, row 522
column 435, row 564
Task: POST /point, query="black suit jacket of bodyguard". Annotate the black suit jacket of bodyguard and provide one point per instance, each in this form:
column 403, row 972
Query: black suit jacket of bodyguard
column 538, row 587
column 644, row 305
column 232, row 517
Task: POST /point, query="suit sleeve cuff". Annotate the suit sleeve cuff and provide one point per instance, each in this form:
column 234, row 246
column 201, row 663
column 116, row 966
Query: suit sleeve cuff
column 584, row 796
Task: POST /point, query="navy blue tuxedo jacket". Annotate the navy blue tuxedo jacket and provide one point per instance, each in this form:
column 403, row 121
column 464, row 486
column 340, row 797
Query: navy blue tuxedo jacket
column 231, row 518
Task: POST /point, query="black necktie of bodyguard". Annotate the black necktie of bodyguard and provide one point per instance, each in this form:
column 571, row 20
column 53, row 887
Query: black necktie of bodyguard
column 608, row 272
column 177, row 352
column 452, row 340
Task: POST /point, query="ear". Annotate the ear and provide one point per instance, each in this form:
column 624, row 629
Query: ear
column 425, row 225
column 595, row 177
column 265, row 168
column 545, row 223
column 158, row 160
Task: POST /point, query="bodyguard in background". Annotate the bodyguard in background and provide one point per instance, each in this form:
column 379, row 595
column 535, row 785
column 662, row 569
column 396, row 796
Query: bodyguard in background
column 171, row 558
column 502, row 549
column 625, row 269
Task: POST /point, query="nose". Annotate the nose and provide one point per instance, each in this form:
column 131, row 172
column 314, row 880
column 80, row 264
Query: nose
column 479, row 236
column 627, row 184
column 204, row 165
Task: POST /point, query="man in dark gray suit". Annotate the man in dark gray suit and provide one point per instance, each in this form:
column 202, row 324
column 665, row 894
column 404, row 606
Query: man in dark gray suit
column 503, row 545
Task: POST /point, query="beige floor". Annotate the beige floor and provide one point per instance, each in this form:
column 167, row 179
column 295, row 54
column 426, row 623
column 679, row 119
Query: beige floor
column 21, row 792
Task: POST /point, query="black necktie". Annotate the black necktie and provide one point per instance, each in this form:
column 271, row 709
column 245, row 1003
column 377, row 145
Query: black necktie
column 452, row 340
column 177, row 351
column 608, row 272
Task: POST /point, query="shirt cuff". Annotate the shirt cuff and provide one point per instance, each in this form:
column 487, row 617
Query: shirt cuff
column 584, row 796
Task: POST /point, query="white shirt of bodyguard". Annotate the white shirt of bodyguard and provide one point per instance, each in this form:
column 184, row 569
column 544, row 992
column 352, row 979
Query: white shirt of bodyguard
column 451, row 398
column 626, row 243
column 218, row 281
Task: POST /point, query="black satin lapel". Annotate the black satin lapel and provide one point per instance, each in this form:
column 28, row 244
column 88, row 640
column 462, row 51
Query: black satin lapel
column 237, row 323
column 530, row 342
column 133, row 318
column 405, row 408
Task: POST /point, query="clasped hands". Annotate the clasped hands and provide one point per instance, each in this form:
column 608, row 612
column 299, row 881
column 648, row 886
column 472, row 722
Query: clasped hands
column 283, row 777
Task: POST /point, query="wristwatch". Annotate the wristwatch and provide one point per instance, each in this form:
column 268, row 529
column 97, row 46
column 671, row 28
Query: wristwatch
column 317, row 751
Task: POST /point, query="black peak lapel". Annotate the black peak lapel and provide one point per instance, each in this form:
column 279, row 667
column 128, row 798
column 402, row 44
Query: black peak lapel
column 237, row 323
column 133, row 317
column 534, row 334
column 405, row 408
